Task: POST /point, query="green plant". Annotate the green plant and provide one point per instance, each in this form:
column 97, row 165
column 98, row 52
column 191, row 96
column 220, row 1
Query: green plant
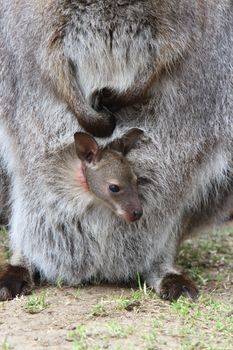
column 36, row 304
column 6, row 345
column 119, row 331
column 79, row 337
column 99, row 310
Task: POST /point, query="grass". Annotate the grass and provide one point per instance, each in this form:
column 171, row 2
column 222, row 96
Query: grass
column 204, row 257
column 4, row 250
column 129, row 302
column 206, row 325
column 99, row 310
column 79, row 337
column 6, row 345
column 133, row 301
column 119, row 331
column 59, row 283
column 76, row 293
column 151, row 338
column 36, row 303
column 84, row 337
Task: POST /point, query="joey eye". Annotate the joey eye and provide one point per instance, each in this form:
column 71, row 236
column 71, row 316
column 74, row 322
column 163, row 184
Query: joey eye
column 114, row 188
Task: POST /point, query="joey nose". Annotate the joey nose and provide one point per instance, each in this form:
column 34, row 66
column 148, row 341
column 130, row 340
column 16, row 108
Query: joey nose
column 137, row 213
column 132, row 215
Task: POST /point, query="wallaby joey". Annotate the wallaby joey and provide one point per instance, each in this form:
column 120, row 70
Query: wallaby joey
column 106, row 173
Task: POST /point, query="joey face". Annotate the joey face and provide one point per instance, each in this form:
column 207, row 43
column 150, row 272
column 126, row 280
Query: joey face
column 109, row 175
column 114, row 183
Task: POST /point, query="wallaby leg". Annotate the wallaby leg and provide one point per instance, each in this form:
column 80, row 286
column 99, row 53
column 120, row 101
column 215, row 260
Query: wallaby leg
column 167, row 281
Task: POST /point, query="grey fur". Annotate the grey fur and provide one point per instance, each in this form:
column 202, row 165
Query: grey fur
column 4, row 195
column 184, row 51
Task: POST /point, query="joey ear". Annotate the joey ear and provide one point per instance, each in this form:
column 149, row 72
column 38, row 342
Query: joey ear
column 86, row 146
column 127, row 141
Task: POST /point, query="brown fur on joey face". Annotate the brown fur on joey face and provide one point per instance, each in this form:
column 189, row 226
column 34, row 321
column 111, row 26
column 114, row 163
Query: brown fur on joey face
column 109, row 175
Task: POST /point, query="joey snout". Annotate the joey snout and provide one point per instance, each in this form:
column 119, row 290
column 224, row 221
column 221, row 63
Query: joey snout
column 131, row 212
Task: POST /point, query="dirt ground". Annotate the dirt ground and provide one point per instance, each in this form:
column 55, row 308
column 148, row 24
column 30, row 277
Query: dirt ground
column 113, row 317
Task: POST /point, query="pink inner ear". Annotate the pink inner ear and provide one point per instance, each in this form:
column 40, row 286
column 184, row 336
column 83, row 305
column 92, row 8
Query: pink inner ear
column 82, row 178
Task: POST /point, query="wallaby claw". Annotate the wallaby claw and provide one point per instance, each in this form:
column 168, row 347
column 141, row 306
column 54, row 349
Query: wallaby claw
column 14, row 280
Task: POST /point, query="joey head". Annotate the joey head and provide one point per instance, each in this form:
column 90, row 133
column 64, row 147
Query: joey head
column 108, row 174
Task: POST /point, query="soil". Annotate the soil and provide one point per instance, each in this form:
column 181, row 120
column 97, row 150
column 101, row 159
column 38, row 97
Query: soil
column 119, row 317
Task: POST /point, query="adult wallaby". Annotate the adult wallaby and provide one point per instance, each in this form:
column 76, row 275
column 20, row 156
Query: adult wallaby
column 59, row 58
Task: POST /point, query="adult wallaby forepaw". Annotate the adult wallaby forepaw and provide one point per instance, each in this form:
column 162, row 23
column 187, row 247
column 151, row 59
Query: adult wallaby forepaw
column 106, row 99
column 14, row 280
column 174, row 286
